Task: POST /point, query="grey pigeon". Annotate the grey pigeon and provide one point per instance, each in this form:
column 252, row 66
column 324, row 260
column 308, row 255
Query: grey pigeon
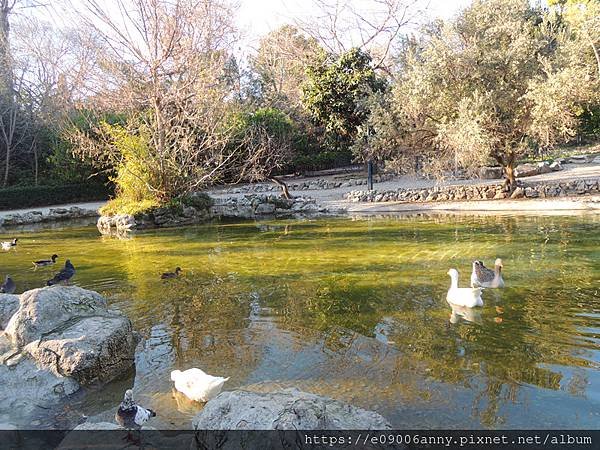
column 64, row 275
column 8, row 287
column 131, row 416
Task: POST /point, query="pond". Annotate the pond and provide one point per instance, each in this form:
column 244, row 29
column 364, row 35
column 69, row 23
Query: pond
column 353, row 309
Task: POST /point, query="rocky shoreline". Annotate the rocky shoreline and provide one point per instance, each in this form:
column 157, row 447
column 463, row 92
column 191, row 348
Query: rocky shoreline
column 495, row 191
column 53, row 215
column 234, row 207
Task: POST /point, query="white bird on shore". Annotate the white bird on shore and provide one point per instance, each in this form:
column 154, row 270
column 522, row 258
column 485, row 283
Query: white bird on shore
column 197, row 385
column 487, row 278
column 469, row 297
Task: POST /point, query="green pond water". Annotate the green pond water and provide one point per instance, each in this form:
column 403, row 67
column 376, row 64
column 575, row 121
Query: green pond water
column 351, row 309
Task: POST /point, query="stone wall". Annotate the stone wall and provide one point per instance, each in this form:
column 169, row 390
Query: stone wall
column 232, row 207
column 479, row 192
column 308, row 185
column 53, row 215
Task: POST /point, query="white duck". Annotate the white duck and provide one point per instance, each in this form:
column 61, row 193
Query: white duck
column 469, row 297
column 7, row 245
column 197, row 385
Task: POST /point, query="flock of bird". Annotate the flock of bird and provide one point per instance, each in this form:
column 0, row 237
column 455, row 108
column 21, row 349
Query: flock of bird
column 481, row 277
column 200, row 386
column 63, row 276
column 194, row 383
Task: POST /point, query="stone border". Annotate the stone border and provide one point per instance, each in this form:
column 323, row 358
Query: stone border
column 309, row 185
column 244, row 207
column 479, row 192
column 53, row 215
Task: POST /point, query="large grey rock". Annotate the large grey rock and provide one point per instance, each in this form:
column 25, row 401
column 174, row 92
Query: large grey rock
column 289, row 409
column 26, row 387
column 490, row 173
column 70, row 332
column 526, row 170
column 93, row 349
column 48, row 310
column 8, row 306
column 544, row 167
column 556, row 166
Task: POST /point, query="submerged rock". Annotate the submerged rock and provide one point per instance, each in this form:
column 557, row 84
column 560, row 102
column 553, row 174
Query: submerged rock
column 289, row 409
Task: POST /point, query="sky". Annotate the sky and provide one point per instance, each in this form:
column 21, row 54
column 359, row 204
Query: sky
column 258, row 17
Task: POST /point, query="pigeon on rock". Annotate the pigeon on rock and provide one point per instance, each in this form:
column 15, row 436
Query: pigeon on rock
column 64, row 275
column 8, row 287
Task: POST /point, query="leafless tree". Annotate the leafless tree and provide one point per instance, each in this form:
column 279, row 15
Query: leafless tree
column 163, row 62
column 375, row 25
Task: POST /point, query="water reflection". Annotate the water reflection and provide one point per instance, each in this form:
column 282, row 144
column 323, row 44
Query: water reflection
column 356, row 310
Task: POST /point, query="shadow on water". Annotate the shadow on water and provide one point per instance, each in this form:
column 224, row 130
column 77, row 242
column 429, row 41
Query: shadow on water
column 355, row 310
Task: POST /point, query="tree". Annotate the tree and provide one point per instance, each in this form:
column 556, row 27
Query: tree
column 165, row 64
column 372, row 26
column 265, row 139
column 335, row 91
column 490, row 84
column 279, row 64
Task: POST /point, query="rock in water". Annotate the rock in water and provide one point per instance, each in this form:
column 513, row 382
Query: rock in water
column 289, row 409
column 70, row 332
column 43, row 310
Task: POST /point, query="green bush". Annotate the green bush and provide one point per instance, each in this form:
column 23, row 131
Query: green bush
column 31, row 196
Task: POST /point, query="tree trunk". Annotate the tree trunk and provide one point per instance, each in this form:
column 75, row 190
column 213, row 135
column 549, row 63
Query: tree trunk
column 6, row 167
column 285, row 193
column 511, row 180
column 507, row 160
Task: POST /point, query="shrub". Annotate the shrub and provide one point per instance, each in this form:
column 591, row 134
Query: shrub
column 31, row 196
column 121, row 205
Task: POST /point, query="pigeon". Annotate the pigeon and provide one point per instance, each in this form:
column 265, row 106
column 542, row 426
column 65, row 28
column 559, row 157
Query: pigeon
column 8, row 287
column 131, row 416
column 168, row 275
column 7, row 245
column 64, row 275
column 45, row 262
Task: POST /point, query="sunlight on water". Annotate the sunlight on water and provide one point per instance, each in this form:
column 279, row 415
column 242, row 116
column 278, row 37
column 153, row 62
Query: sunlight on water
column 355, row 310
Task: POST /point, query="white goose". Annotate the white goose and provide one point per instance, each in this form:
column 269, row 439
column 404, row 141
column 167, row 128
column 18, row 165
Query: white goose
column 469, row 297
column 197, row 385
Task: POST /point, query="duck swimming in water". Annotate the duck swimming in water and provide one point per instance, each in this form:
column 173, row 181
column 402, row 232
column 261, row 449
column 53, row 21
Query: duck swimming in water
column 469, row 297
column 169, row 275
column 7, row 245
column 197, row 385
column 45, row 262
column 481, row 276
